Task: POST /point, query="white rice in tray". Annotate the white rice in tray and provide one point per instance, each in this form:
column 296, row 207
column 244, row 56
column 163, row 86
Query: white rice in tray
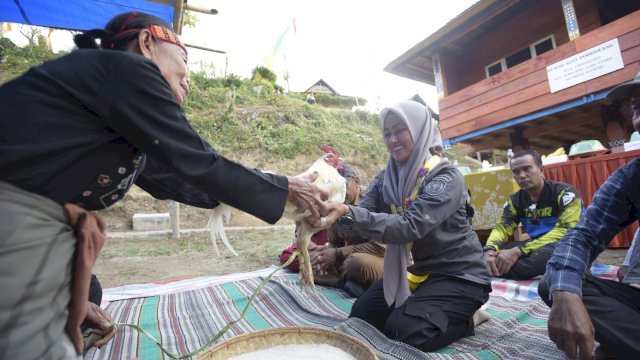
column 296, row 352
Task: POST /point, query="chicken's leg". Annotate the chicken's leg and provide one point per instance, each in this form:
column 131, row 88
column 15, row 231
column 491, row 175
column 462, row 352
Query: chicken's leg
column 303, row 238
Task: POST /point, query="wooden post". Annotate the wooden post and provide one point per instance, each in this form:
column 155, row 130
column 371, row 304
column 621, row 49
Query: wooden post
column 179, row 6
column 201, row 9
column 204, row 48
column 174, row 218
column 226, row 66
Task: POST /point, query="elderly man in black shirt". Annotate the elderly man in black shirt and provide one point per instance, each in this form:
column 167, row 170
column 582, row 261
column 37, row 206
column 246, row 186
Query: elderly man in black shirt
column 75, row 134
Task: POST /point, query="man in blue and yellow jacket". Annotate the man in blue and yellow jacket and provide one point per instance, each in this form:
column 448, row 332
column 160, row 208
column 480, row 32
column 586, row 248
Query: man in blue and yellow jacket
column 545, row 208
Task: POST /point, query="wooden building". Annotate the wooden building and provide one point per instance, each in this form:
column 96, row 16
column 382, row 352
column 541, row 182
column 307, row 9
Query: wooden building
column 508, row 72
column 321, row 87
column 535, row 74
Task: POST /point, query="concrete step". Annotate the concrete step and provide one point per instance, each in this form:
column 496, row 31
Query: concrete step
column 151, row 222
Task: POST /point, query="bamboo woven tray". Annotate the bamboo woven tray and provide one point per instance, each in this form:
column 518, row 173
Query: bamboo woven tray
column 261, row 340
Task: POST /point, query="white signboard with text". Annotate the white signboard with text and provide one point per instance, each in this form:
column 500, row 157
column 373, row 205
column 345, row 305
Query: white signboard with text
column 587, row 65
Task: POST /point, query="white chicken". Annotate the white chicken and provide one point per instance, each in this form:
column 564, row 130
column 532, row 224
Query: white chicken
column 328, row 179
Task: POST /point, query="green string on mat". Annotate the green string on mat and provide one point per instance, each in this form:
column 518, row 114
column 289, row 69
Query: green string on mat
column 224, row 330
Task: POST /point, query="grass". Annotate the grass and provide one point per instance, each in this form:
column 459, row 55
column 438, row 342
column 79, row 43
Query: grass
column 252, row 243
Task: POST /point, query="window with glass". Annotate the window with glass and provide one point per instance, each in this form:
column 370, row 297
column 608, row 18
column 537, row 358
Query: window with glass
column 537, row 48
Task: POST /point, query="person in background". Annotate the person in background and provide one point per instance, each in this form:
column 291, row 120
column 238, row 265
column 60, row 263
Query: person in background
column 310, row 98
column 585, row 308
column 76, row 133
column 545, row 208
column 317, row 240
column 348, row 262
column 434, row 276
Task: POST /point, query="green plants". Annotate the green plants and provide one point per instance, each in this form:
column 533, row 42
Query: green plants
column 263, row 73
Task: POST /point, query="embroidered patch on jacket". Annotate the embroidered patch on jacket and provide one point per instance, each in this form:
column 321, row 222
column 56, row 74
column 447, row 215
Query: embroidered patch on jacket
column 104, row 180
column 567, row 198
column 437, row 185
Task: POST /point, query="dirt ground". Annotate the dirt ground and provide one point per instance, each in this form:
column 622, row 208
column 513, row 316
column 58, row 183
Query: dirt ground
column 133, row 259
column 126, row 261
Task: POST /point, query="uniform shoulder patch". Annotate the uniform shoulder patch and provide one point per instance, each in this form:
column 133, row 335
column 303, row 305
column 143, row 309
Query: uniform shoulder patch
column 437, row 185
column 567, row 198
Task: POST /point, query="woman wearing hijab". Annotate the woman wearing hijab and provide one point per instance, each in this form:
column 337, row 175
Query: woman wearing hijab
column 434, row 275
column 75, row 134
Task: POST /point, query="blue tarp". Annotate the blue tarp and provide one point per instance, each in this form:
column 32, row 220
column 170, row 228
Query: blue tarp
column 76, row 14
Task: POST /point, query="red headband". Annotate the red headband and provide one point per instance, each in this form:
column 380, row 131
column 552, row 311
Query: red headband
column 165, row 34
column 159, row 32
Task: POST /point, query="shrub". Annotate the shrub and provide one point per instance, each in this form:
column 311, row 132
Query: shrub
column 262, row 73
column 15, row 60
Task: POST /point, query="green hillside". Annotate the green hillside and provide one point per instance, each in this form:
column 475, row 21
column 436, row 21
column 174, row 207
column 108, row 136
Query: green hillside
column 243, row 120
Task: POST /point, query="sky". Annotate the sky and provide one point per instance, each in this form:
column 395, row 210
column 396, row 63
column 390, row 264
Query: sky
column 347, row 43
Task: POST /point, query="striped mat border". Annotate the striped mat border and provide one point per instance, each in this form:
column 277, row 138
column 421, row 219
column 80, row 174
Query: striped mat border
column 184, row 321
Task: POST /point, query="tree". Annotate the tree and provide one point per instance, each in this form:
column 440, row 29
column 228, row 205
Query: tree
column 189, row 19
column 263, row 73
column 32, row 34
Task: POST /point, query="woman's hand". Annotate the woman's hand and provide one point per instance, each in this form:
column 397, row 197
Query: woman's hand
column 304, row 195
column 334, row 211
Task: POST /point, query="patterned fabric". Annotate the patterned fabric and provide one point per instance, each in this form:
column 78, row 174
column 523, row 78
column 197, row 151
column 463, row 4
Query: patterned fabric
column 113, row 183
column 165, row 34
column 490, row 190
column 183, row 321
column 603, row 271
column 615, row 143
column 527, row 290
column 517, row 330
column 520, row 290
column 179, row 285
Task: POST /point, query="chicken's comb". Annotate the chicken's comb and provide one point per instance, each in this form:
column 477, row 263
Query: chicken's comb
column 333, row 160
column 330, row 149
